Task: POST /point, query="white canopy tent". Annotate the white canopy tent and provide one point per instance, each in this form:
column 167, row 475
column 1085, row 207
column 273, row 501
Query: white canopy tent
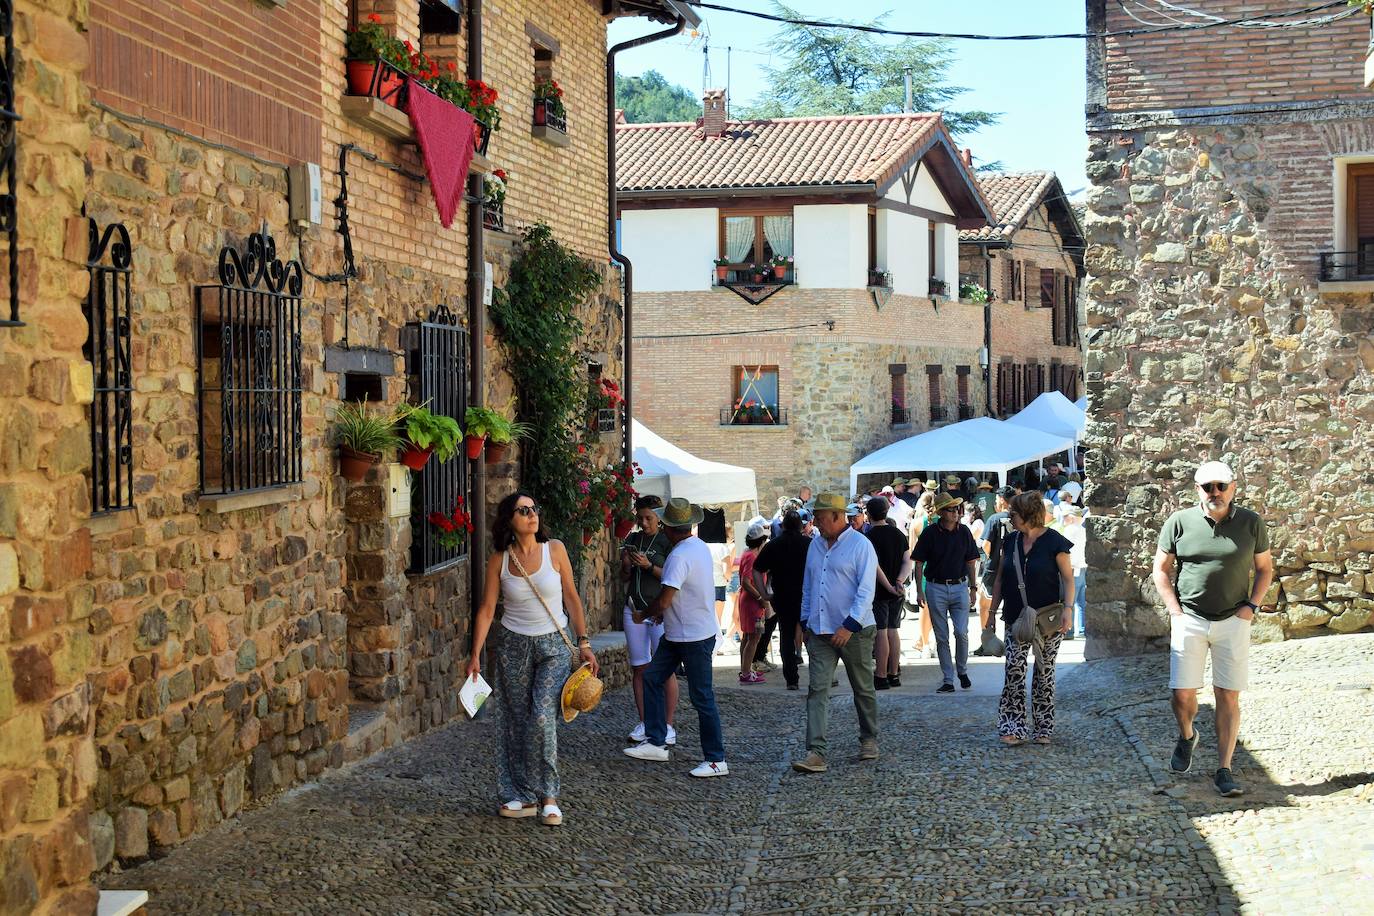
column 1053, row 413
column 1082, row 403
column 980, row 445
column 671, row 471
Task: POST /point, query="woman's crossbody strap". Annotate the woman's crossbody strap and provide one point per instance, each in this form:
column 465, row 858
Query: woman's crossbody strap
column 1020, row 574
column 526, row 576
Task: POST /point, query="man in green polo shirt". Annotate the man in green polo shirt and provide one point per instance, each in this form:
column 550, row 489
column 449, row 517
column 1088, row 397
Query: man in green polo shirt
column 1202, row 572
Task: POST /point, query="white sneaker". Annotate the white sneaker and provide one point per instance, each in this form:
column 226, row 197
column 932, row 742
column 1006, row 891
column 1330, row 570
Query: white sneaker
column 672, row 736
column 646, row 751
column 638, row 733
column 706, row 769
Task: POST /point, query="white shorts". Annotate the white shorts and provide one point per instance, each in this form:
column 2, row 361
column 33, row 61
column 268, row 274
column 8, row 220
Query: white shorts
column 640, row 638
column 1190, row 638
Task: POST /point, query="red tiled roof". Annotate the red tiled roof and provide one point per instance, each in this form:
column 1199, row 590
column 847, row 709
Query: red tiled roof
column 778, row 152
column 1012, row 197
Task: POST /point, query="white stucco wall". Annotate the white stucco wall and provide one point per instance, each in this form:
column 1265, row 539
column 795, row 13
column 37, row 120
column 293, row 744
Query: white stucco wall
column 831, row 245
column 906, row 247
column 907, row 253
column 671, row 249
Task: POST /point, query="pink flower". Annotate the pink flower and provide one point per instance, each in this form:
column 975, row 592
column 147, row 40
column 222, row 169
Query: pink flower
column 584, row 486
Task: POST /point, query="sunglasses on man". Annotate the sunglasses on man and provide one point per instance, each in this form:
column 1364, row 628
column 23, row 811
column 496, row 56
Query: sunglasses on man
column 1215, row 486
column 527, row 511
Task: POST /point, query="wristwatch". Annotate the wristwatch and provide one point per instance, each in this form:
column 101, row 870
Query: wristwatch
column 1251, row 605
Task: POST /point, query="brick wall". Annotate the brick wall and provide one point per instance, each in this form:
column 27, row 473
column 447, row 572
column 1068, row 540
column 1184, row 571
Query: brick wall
column 1232, row 66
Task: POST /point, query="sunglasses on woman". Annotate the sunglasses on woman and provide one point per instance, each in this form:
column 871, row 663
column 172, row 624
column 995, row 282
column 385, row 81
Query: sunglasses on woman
column 527, row 511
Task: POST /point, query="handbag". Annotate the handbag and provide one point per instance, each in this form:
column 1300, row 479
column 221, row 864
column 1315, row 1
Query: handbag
column 1032, row 625
column 991, row 644
column 581, row 692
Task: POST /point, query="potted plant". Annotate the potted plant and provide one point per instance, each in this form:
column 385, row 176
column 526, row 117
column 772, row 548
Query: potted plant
column 478, row 423
column 722, row 268
column 451, row 530
column 756, row 273
column 494, row 200
column 368, row 47
column 363, row 436
column 937, row 287
column 548, row 105
column 880, row 278
column 973, row 292
column 781, row 264
column 425, row 433
column 501, row 438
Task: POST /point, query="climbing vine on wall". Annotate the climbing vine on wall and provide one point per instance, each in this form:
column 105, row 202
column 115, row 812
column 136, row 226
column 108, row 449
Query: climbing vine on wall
column 535, row 319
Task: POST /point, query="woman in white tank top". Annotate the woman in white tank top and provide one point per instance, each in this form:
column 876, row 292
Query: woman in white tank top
column 534, row 659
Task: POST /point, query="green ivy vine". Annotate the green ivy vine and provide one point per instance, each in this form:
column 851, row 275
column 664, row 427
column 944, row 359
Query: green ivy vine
column 535, row 319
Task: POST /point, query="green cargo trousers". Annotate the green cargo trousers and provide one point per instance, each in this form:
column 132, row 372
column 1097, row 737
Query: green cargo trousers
column 858, row 666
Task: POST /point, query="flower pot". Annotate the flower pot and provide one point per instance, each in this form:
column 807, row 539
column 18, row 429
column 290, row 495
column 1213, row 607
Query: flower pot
column 587, row 536
column 479, row 131
column 474, row 446
column 721, row 273
column 354, row 465
column 779, row 271
column 496, row 451
column 415, row 457
column 758, row 278
column 361, row 74
column 623, row 527
column 540, row 113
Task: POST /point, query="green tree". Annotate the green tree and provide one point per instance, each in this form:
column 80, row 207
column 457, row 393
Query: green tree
column 840, row 71
column 651, row 99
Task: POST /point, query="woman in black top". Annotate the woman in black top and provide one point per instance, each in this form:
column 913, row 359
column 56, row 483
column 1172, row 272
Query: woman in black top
column 1044, row 558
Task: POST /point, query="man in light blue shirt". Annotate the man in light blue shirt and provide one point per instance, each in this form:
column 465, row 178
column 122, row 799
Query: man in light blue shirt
column 837, row 623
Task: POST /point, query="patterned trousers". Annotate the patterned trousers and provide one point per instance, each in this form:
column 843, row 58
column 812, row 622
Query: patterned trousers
column 1011, row 709
column 530, row 678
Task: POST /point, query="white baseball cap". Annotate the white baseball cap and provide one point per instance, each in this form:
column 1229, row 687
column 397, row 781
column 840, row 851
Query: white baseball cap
column 1214, row 472
column 888, row 490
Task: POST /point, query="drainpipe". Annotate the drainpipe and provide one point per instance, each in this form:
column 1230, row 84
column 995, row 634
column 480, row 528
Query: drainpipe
column 987, row 329
column 612, row 207
column 477, row 324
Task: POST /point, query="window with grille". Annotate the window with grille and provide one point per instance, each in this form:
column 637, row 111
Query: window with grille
column 755, row 237
column 965, row 407
column 937, row 410
column 901, row 414
column 437, row 367
column 108, row 349
column 248, row 331
column 755, row 398
column 1018, row 292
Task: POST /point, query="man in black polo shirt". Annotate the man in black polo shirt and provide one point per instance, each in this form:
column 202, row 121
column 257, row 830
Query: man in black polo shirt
column 890, row 545
column 783, row 560
column 946, row 561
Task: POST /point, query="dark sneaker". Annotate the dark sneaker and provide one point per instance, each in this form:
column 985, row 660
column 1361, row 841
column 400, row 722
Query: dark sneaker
column 1226, row 784
column 894, row 680
column 964, row 682
column 946, row 688
column 793, row 687
column 880, row 683
column 1182, row 761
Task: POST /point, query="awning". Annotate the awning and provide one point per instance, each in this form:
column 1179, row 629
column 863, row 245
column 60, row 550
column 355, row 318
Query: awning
column 980, row 445
column 1053, row 413
column 671, row 471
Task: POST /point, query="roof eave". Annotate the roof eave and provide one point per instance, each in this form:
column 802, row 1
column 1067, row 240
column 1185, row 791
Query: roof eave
column 666, row 11
column 973, row 211
column 855, row 188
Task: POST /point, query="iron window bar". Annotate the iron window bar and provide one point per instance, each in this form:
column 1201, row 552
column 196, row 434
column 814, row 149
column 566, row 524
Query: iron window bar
column 1344, row 266
column 901, row 416
column 938, row 413
column 108, row 349
column 965, row 411
column 742, row 276
column 248, row 359
column 494, row 215
column 767, row 415
column 436, row 362
column 607, row 420
column 546, row 115
column 9, row 142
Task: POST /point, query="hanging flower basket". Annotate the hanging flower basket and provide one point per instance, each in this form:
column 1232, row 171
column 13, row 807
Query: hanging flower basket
column 474, row 444
column 623, row 527
column 414, row 457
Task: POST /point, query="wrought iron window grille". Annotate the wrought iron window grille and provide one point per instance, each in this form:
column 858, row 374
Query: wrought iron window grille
column 109, row 351
column 9, row 142
column 901, row 416
column 546, row 115
column 764, row 415
column 494, row 215
column 606, row 420
column 965, row 411
column 248, row 358
column 938, row 413
column 437, row 366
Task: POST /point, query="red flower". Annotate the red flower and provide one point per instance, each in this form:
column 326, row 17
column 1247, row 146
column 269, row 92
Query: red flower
column 458, row 501
column 409, row 47
column 451, row 67
column 373, row 17
column 500, row 173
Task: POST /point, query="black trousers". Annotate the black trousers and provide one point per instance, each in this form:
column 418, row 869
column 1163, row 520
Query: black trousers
column 785, row 622
column 761, row 652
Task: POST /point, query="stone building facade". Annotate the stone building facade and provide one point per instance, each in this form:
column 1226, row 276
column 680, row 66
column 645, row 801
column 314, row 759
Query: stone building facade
column 1230, row 309
column 173, row 653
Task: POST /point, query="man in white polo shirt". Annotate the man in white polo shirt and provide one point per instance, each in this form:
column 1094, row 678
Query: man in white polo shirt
column 1212, row 569
column 686, row 605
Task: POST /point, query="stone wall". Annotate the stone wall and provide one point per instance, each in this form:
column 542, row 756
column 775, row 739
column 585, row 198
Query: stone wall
column 1208, row 338
column 47, row 756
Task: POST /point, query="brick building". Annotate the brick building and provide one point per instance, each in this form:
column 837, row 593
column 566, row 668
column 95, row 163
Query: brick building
column 1230, row 305
column 1030, row 254
column 195, row 610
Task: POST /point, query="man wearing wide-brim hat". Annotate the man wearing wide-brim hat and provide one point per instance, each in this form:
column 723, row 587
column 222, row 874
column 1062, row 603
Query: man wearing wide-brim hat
column 902, row 490
column 837, row 624
column 686, row 605
column 946, row 563
column 931, row 485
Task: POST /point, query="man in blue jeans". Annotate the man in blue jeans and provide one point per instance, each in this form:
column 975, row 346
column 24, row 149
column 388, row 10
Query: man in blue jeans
column 946, row 563
column 686, row 605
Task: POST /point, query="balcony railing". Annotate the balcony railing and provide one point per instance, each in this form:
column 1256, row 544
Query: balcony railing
column 965, row 411
column 753, row 416
column 938, row 287
column 901, row 416
column 880, row 278
column 938, row 413
column 759, row 276
column 1339, row 266
column 494, row 215
column 546, row 114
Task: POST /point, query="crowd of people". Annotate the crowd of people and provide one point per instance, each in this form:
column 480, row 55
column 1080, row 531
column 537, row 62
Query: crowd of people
column 833, row 576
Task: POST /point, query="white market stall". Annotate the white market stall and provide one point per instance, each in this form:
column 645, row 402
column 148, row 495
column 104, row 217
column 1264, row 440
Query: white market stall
column 671, row 471
column 980, row 445
column 1053, row 413
column 1082, row 403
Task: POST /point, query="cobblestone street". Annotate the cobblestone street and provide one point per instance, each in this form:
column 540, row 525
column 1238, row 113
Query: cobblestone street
column 947, row 821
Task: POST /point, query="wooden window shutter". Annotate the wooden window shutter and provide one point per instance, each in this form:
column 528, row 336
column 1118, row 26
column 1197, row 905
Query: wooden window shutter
column 963, row 385
column 1008, row 281
column 1364, row 208
column 1046, row 287
column 933, row 377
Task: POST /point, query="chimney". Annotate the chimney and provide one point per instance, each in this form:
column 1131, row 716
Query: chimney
column 713, row 113
column 967, row 156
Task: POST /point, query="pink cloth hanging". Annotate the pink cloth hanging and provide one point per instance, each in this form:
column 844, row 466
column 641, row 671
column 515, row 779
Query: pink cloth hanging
column 445, row 133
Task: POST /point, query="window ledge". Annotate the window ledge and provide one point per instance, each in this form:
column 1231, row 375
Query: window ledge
column 550, row 135
column 110, row 522
column 392, row 123
column 1345, row 286
column 233, row 502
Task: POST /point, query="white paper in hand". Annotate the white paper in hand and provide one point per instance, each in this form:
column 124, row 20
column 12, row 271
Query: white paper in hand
column 473, row 694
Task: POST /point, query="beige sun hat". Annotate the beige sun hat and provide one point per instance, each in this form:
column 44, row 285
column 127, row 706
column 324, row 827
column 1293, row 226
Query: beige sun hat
column 680, row 513
column 581, row 692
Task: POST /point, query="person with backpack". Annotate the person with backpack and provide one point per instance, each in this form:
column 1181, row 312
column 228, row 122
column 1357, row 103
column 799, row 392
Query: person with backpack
column 642, row 556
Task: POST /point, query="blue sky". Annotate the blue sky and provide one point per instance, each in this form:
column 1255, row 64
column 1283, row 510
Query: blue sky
column 1038, row 86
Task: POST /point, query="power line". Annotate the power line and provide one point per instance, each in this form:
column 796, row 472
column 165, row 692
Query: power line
column 1255, row 18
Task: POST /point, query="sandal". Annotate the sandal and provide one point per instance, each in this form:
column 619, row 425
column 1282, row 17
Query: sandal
column 1042, row 740
column 550, row 816
column 1012, row 741
column 517, row 808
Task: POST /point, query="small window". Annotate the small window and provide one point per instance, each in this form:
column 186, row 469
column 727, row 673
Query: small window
column 965, row 408
column 930, row 239
column 872, row 240
column 937, row 409
column 755, row 238
column 754, row 397
column 440, row 17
